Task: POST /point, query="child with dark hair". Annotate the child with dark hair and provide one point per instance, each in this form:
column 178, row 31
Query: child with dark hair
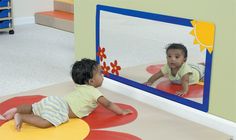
column 53, row 110
column 177, row 70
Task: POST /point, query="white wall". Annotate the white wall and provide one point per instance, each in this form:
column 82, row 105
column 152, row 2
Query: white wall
column 24, row 10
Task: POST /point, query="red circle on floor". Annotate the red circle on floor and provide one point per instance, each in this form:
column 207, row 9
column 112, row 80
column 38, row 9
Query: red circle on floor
column 152, row 69
column 99, row 118
column 16, row 101
column 103, row 118
column 109, row 135
column 195, row 91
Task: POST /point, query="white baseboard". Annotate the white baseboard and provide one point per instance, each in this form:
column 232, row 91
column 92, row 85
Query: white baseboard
column 24, row 20
column 180, row 110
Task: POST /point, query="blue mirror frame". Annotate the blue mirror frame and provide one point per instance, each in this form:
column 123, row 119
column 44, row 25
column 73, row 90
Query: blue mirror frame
column 163, row 18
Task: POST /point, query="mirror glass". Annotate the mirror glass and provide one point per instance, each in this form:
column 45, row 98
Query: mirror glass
column 131, row 46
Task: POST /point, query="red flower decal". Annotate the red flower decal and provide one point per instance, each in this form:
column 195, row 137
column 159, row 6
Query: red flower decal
column 101, row 53
column 105, row 69
column 115, row 68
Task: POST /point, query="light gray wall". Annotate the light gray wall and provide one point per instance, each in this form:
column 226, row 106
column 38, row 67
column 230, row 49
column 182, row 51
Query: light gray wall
column 23, row 9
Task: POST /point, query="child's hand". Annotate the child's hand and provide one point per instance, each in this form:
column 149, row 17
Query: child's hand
column 147, row 83
column 181, row 93
column 126, row 111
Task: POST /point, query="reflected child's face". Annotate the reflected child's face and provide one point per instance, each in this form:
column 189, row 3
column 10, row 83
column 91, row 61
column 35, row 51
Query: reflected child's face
column 97, row 79
column 175, row 58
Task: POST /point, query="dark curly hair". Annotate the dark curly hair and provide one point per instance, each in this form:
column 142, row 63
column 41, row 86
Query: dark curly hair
column 82, row 70
column 179, row 47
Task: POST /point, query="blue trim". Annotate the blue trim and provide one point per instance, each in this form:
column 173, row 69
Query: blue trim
column 162, row 18
column 97, row 32
column 149, row 16
column 207, row 80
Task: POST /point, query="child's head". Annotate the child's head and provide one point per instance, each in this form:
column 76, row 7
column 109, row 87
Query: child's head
column 87, row 71
column 176, row 55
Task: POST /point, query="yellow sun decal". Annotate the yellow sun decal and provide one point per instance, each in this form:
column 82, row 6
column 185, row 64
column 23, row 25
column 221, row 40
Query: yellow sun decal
column 204, row 34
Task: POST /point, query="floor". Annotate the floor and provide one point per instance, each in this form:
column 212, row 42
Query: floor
column 35, row 56
column 151, row 123
column 37, row 60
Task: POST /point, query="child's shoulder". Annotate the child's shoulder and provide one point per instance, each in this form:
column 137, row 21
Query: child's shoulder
column 87, row 89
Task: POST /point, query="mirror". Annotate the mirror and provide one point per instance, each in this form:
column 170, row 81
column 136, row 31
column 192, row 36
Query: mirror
column 131, row 47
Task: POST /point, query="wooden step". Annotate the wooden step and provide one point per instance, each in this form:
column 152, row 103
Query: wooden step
column 63, row 6
column 56, row 19
column 66, row 1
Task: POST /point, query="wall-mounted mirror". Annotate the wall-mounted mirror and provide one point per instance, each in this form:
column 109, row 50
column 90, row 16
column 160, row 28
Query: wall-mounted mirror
column 131, row 47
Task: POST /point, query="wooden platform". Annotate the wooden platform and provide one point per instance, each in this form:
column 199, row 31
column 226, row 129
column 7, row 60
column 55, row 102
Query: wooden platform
column 61, row 18
column 62, row 6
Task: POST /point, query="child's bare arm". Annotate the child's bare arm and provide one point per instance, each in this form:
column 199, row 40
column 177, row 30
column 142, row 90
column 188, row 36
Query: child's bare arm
column 113, row 107
column 185, row 85
column 153, row 78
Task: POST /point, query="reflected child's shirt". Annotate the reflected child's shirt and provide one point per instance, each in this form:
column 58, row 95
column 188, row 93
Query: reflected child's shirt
column 196, row 73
